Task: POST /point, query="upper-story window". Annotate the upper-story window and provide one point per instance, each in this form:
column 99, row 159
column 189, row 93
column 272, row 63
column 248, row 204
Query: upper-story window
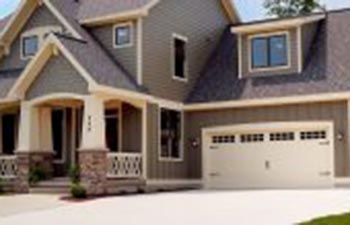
column 179, row 57
column 30, row 46
column 32, row 40
column 270, row 51
column 123, row 35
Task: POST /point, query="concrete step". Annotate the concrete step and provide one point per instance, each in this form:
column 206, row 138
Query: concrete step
column 53, row 186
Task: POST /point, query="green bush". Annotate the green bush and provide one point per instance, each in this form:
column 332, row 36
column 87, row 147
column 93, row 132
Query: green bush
column 36, row 175
column 78, row 191
column 74, row 174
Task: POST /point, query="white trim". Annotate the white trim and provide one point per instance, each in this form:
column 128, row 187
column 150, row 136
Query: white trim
column 276, row 24
column 129, row 25
column 141, row 12
column 181, row 145
column 175, row 182
column 269, row 35
column 263, row 127
column 268, row 101
column 139, row 51
column 62, row 19
column 184, row 39
column 40, row 33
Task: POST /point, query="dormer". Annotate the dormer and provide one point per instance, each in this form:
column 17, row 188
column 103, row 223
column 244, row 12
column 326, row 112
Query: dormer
column 275, row 47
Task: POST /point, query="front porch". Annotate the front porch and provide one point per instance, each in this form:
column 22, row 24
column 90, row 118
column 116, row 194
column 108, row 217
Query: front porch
column 102, row 136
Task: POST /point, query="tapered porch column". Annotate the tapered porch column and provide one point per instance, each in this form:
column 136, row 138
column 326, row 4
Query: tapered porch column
column 34, row 143
column 93, row 152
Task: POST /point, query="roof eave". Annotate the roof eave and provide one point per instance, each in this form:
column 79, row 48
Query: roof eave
column 276, row 24
column 231, row 11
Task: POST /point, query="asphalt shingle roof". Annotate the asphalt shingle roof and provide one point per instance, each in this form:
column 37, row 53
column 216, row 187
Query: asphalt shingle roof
column 327, row 69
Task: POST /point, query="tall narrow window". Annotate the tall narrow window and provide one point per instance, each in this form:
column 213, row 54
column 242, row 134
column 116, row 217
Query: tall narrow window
column 170, row 134
column 30, row 46
column 123, row 35
column 57, row 120
column 179, row 57
column 270, row 51
column 8, row 134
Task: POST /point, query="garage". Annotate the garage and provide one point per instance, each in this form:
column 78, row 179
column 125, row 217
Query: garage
column 269, row 156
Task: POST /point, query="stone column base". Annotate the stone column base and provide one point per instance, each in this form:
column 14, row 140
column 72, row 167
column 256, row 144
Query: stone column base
column 30, row 160
column 93, row 171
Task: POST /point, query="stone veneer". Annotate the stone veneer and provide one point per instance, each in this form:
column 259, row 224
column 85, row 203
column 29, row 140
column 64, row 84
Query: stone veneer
column 30, row 160
column 93, row 171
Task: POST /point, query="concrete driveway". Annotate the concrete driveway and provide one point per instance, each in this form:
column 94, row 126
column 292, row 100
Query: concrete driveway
column 245, row 207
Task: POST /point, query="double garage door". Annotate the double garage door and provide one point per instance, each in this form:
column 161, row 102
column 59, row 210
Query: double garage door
column 274, row 155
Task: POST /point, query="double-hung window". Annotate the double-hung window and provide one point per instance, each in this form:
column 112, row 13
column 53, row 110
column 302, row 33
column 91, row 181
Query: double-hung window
column 170, row 134
column 269, row 52
column 179, row 57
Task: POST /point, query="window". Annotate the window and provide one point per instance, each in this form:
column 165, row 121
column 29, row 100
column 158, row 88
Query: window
column 170, row 134
column 226, row 139
column 30, row 46
column 271, row 51
column 123, row 35
column 286, row 136
column 313, row 135
column 250, row 138
column 179, row 57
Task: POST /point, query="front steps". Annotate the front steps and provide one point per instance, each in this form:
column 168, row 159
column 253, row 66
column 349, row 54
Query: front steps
column 59, row 185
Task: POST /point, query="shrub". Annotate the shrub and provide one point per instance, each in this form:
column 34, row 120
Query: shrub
column 36, row 175
column 78, row 191
column 74, row 174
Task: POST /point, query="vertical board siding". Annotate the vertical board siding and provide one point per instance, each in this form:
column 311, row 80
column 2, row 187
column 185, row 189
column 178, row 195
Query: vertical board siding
column 57, row 76
column 127, row 56
column 245, row 59
column 131, row 129
column 201, row 21
column 336, row 112
column 156, row 168
column 40, row 17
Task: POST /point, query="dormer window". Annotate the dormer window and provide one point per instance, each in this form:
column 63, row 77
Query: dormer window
column 269, row 51
column 123, row 35
column 30, row 46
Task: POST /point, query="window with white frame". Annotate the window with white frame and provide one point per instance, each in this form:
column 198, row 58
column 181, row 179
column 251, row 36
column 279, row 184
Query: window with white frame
column 269, row 51
column 30, row 45
column 170, row 134
column 123, row 35
column 179, row 49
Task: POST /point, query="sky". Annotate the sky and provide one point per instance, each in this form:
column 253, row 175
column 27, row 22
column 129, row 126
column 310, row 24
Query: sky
column 248, row 9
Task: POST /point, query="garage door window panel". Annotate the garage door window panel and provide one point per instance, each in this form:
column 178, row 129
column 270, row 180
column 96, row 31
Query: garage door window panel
column 252, row 138
column 282, row 136
column 170, row 135
column 313, row 135
column 223, row 139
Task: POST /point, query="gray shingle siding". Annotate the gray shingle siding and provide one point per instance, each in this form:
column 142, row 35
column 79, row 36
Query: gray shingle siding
column 58, row 76
column 126, row 56
column 41, row 17
column 201, row 21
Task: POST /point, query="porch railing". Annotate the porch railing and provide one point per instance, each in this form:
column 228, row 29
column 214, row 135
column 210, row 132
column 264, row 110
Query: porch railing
column 8, row 167
column 124, row 165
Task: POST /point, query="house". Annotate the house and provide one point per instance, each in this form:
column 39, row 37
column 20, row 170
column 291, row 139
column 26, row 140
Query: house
column 164, row 94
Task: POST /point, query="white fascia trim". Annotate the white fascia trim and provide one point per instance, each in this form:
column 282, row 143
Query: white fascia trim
column 141, row 12
column 50, row 40
column 61, row 18
column 268, row 101
column 180, row 182
column 277, row 24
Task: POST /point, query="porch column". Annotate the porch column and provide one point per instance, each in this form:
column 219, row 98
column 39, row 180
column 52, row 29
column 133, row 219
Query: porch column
column 92, row 155
column 34, row 143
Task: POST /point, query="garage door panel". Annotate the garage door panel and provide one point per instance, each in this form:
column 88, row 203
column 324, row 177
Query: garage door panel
column 271, row 159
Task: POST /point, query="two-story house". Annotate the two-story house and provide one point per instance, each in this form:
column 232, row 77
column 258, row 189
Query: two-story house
column 164, row 94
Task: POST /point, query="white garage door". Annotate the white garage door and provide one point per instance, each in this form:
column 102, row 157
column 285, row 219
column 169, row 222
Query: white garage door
column 278, row 155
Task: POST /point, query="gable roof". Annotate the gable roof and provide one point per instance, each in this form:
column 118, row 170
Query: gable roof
column 326, row 69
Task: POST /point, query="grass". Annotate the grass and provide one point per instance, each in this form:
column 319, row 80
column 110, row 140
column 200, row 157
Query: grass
column 331, row 220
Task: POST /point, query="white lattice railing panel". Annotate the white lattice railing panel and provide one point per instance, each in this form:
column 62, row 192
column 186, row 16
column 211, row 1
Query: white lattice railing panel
column 8, row 166
column 124, row 165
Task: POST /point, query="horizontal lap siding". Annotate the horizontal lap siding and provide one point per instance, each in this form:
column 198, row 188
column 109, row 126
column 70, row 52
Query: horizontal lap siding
column 336, row 112
column 40, row 17
column 156, row 168
column 57, row 76
column 201, row 21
